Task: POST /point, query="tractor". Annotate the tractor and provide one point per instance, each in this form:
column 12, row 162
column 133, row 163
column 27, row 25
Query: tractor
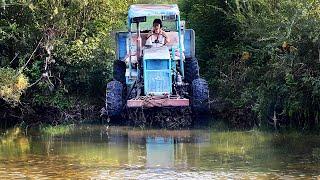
column 161, row 83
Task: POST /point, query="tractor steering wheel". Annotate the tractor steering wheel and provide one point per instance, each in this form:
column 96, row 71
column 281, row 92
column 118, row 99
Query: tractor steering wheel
column 157, row 40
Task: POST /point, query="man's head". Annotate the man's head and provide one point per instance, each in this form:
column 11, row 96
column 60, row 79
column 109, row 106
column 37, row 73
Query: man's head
column 157, row 25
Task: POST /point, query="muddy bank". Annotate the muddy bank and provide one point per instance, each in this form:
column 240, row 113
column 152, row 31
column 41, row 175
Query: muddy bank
column 35, row 115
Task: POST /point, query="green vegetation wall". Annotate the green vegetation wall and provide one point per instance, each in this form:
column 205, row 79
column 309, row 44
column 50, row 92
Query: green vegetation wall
column 261, row 58
column 64, row 47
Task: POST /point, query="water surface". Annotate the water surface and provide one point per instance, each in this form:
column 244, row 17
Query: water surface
column 95, row 152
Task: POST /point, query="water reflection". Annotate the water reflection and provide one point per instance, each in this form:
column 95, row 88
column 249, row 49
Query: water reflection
column 13, row 143
column 121, row 152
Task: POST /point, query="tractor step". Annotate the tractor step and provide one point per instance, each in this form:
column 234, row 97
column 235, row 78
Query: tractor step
column 154, row 101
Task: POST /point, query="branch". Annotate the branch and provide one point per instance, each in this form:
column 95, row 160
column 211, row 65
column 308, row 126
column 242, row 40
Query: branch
column 291, row 25
column 37, row 81
column 16, row 55
column 25, row 65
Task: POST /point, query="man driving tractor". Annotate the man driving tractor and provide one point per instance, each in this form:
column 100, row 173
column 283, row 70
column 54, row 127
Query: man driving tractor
column 157, row 37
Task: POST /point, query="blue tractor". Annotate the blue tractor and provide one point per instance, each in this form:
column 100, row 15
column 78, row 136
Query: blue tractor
column 164, row 77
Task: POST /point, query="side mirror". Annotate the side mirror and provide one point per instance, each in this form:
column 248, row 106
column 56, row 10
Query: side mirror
column 169, row 18
column 139, row 19
column 182, row 25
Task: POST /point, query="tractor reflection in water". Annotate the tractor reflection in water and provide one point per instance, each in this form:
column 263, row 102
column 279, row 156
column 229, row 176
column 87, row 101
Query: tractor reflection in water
column 159, row 85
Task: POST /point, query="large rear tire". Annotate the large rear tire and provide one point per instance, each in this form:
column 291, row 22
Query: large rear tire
column 119, row 71
column 114, row 98
column 200, row 96
column 191, row 70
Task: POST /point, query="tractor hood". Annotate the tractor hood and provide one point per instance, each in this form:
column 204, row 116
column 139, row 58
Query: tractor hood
column 157, row 71
column 156, row 53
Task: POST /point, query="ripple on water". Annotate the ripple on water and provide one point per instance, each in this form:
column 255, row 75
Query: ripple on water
column 171, row 174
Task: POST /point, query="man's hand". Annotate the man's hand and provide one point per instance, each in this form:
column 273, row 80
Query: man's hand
column 163, row 33
column 150, row 33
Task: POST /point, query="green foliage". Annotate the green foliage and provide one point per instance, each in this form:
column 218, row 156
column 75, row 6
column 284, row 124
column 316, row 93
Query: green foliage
column 269, row 63
column 212, row 24
column 58, row 99
column 57, row 130
column 76, row 46
column 12, row 85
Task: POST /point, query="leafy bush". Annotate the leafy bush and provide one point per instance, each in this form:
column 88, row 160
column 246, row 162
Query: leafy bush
column 268, row 64
column 12, row 85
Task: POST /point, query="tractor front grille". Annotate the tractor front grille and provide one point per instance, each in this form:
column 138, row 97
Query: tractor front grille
column 157, row 77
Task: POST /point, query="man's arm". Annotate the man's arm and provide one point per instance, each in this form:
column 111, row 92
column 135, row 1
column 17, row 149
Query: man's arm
column 150, row 33
column 164, row 34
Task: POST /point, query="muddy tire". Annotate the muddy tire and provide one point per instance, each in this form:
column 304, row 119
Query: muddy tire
column 114, row 98
column 191, row 70
column 200, row 96
column 119, row 71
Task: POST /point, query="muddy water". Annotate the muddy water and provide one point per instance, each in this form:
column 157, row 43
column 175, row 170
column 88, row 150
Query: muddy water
column 94, row 152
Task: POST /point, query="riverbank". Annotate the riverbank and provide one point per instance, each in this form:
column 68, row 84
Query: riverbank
column 48, row 115
column 219, row 118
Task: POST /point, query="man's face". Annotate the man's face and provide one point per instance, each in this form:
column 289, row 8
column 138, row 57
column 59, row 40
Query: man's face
column 156, row 27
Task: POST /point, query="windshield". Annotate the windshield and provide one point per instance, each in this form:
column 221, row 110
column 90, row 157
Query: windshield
column 167, row 25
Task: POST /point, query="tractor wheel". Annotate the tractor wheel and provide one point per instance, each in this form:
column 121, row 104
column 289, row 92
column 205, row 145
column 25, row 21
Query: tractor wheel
column 114, row 98
column 119, row 71
column 200, row 96
column 191, row 71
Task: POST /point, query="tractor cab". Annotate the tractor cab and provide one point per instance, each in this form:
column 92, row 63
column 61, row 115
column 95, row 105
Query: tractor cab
column 155, row 67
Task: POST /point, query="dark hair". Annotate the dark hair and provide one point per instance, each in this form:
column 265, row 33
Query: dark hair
column 158, row 21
